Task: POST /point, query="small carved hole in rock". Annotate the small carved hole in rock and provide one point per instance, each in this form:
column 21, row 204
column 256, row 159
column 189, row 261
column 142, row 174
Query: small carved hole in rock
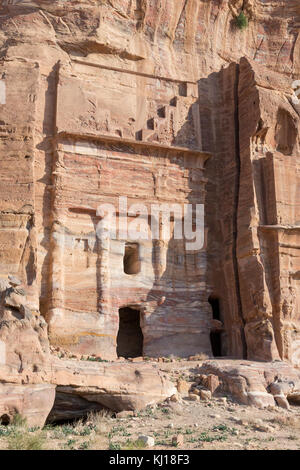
column 150, row 124
column 130, row 337
column 161, row 112
column 5, row 420
column 131, row 260
column 182, row 89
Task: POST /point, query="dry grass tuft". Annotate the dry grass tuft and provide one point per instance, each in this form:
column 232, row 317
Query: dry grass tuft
column 290, row 421
column 99, row 420
column 24, row 440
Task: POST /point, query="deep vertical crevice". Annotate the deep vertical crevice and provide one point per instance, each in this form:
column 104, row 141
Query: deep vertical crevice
column 236, row 207
column 50, row 152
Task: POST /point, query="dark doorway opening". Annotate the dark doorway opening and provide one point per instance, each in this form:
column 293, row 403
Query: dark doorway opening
column 216, row 343
column 215, row 305
column 130, row 337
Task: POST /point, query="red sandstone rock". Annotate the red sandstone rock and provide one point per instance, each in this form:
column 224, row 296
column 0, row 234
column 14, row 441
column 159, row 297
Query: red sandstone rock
column 125, row 414
column 88, row 114
column 81, row 146
column 175, row 398
column 178, row 440
column 183, row 387
column 33, row 402
column 25, row 359
column 194, row 397
column 257, row 383
column 212, row 383
column 113, row 385
column 137, row 359
column 205, row 395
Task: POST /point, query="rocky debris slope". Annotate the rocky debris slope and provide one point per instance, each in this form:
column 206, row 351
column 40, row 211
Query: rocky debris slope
column 258, row 384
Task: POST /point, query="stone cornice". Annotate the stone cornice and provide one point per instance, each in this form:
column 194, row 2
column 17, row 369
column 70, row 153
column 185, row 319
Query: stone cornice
column 153, row 146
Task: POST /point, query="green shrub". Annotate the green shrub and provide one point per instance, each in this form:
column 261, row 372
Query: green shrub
column 242, row 21
column 70, row 444
column 188, row 431
column 114, row 446
column 96, row 359
column 134, row 445
column 84, row 446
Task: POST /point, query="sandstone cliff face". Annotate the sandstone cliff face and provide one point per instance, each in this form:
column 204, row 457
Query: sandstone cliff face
column 107, row 98
column 268, row 216
column 32, row 380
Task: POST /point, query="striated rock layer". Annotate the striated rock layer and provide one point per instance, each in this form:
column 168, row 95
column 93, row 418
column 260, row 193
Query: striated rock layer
column 162, row 102
column 32, row 380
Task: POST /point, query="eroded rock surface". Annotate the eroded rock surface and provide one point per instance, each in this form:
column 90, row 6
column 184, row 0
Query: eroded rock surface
column 126, row 99
column 115, row 386
column 29, row 374
column 32, row 402
column 256, row 383
column 159, row 101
